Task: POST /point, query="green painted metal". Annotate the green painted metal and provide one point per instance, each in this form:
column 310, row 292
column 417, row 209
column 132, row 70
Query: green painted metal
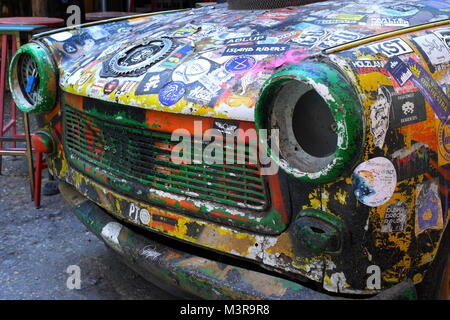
column 316, row 232
column 47, row 80
column 331, row 85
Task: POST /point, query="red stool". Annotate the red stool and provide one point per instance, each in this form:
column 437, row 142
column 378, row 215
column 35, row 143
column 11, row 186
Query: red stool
column 11, row 29
column 42, row 142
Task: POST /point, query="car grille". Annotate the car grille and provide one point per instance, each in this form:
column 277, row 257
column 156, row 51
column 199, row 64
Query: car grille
column 143, row 156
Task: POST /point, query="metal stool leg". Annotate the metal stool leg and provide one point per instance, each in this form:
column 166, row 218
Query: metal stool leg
column 2, row 89
column 37, row 181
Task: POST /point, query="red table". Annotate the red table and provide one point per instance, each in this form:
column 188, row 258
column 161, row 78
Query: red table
column 21, row 21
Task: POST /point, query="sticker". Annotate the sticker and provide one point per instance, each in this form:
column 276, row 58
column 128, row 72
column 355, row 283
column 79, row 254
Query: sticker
column 226, row 127
column 434, row 49
column 406, row 108
column 144, row 216
column 311, row 38
column 400, row 9
column 374, row 181
column 395, row 218
column 428, row 207
column 97, row 87
column 97, row 32
column 126, row 87
column 436, row 4
column 411, row 162
column 214, row 80
column 335, row 21
column 443, row 133
column 244, row 39
column 198, row 94
column 30, row 84
column 152, row 83
column 84, row 78
column 302, row 26
column 444, row 35
column 176, row 57
column 61, row 36
column 387, row 22
column 110, row 86
column 70, row 47
column 379, row 117
column 340, row 37
column 390, row 48
column 191, row 71
column 368, row 66
column 431, row 91
column 240, row 64
column 256, row 49
column 185, row 32
column 171, row 93
column 345, row 16
column 399, row 70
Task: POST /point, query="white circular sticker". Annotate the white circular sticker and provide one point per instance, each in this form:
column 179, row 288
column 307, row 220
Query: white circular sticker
column 374, row 181
column 144, row 216
column 191, row 71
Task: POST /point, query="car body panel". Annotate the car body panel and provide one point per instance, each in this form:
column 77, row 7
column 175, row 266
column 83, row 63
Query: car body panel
column 217, row 57
column 395, row 238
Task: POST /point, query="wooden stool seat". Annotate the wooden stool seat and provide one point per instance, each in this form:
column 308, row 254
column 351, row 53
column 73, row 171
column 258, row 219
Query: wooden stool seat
column 21, row 21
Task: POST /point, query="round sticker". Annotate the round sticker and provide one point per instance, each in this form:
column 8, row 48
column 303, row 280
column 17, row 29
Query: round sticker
column 144, row 215
column 191, row 71
column 240, row 64
column 374, row 181
column 111, row 86
column 172, row 92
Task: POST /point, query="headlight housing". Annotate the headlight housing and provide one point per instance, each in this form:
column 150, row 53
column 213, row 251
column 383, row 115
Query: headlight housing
column 33, row 79
column 319, row 117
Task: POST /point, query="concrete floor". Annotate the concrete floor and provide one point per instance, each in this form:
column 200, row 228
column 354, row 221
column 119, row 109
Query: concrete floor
column 38, row 245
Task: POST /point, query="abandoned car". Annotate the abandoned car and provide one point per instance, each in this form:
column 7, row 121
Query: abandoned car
column 256, row 149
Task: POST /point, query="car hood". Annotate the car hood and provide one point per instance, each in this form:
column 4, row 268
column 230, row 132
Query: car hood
column 213, row 61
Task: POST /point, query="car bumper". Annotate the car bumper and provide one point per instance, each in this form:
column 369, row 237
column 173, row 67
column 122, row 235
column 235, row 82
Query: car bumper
column 195, row 276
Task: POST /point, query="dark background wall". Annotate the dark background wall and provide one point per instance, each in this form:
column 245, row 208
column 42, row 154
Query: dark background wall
column 57, row 8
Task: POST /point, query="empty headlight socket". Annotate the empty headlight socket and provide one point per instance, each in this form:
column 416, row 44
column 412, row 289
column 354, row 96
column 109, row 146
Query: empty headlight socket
column 321, row 148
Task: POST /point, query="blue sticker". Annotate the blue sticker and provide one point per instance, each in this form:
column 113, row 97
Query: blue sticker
column 430, row 89
column 399, row 70
column 30, row 83
column 240, row 64
column 172, row 92
column 70, row 47
column 153, row 82
column 428, row 207
column 256, row 49
column 304, row 25
column 436, row 4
